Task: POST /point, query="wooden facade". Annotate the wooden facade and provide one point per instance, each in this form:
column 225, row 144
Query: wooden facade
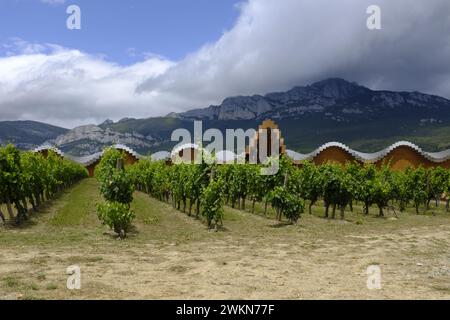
column 130, row 159
column 335, row 155
column 268, row 128
column 404, row 157
column 91, row 168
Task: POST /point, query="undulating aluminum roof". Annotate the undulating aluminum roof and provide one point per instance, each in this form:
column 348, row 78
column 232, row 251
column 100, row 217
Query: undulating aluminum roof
column 436, row 157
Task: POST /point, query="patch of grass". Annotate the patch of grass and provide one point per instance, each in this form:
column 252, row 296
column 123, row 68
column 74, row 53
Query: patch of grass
column 29, row 296
column 178, row 269
column 150, row 220
column 51, row 286
column 143, row 211
column 41, row 277
column 233, row 215
column 32, row 286
column 11, row 282
column 260, row 210
column 156, row 220
column 39, row 260
column 83, row 259
column 442, row 288
column 80, row 202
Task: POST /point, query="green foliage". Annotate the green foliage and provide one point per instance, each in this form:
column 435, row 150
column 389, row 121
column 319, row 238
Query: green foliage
column 417, row 184
column 338, row 186
column 108, row 163
column 116, row 184
column 286, row 203
column 29, row 177
column 383, row 188
column 362, row 182
column 401, row 189
column 117, row 216
column 212, row 202
column 117, row 187
column 309, row 183
column 181, row 183
column 438, row 183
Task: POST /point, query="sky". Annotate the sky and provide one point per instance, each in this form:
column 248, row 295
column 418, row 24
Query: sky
column 123, row 31
column 148, row 58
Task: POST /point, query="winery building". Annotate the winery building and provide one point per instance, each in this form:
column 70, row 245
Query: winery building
column 399, row 156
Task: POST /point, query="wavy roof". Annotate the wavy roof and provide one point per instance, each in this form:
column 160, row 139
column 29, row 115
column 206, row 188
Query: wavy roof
column 90, row 159
column 184, row 147
column 437, row 157
column 51, row 148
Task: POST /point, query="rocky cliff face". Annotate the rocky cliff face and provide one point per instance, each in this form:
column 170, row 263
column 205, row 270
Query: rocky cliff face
column 328, row 110
column 28, row 134
column 335, row 98
column 89, row 139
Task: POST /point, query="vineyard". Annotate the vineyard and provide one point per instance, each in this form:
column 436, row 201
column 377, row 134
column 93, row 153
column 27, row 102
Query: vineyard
column 306, row 232
column 203, row 190
column 26, row 177
column 332, row 186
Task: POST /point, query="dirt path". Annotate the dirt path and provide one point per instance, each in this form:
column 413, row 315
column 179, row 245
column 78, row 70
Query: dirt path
column 232, row 269
column 173, row 256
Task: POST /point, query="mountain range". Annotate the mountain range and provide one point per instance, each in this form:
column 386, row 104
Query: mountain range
column 329, row 110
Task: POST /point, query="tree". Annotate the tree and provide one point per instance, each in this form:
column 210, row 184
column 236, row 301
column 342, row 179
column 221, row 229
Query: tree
column 382, row 189
column 212, row 203
column 401, row 188
column 179, row 180
column 116, row 186
column 257, row 185
column 286, row 204
column 197, row 181
column 10, row 169
column 26, row 176
column 117, row 216
column 417, row 183
column 2, row 217
column 241, row 183
column 437, row 184
column 161, row 181
column 365, row 177
column 309, row 183
column 331, row 183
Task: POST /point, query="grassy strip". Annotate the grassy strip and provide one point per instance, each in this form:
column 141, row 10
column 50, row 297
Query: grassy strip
column 80, row 203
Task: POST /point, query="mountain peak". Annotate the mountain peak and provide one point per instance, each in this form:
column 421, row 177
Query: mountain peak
column 106, row 122
column 334, row 81
column 338, row 88
column 333, row 98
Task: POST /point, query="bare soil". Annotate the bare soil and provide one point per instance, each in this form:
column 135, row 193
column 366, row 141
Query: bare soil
column 172, row 256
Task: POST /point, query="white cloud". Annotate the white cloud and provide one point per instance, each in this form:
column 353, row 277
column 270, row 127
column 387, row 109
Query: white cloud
column 69, row 87
column 279, row 44
column 274, row 45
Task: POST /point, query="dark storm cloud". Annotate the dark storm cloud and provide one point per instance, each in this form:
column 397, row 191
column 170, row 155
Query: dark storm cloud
column 274, row 45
